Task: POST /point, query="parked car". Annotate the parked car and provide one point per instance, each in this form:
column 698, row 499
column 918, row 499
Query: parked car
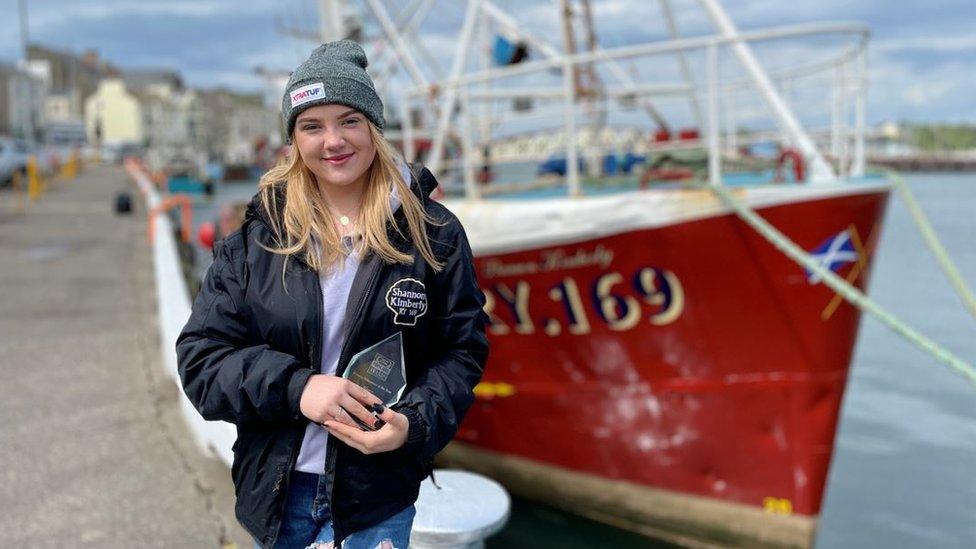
column 116, row 153
column 13, row 159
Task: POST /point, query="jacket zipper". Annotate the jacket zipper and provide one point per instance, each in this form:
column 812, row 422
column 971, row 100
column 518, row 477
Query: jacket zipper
column 354, row 325
column 354, row 328
column 315, row 362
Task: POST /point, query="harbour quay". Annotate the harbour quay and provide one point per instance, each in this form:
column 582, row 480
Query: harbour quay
column 94, row 452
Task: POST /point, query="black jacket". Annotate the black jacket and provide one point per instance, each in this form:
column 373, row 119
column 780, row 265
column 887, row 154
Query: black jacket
column 251, row 344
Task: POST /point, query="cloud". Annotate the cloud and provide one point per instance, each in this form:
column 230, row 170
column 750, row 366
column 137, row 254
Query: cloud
column 936, row 92
column 925, row 94
column 921, row 55
column 963, row 43
column 80, row 13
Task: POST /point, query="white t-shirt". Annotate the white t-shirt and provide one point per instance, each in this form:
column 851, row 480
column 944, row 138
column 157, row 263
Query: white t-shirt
column 335, row 293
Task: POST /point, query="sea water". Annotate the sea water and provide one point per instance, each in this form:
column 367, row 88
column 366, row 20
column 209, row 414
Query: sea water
column 904, row 467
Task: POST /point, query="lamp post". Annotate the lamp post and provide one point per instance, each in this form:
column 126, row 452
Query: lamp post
column 22, row 4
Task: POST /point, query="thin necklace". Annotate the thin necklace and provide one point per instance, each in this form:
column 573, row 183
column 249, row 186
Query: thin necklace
column 345, row 223
column 344, row 219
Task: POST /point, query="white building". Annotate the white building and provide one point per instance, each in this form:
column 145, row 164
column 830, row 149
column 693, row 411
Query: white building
column 21, row 102
column 235, row 124
column 114, row 115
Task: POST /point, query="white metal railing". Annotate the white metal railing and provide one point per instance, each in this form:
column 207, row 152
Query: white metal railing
column 714, row 107
column 461, row 88
column 173, row 306
column 645, row 50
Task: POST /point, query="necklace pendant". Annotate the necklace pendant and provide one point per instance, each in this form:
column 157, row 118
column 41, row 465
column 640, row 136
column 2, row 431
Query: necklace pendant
column 344, row 221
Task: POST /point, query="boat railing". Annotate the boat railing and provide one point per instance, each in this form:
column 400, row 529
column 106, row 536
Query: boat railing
column 460, row 90
column 532, row 148
column 621, row 53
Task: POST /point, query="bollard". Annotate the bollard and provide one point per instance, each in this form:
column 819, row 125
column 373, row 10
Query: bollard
column 35, row 186
column 69, row 170
column 459, row 512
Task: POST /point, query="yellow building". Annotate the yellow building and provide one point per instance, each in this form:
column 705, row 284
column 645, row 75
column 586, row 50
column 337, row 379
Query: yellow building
column 113, row 115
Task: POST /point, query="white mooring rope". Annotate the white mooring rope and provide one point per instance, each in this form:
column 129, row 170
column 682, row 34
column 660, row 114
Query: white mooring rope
column 846, row 290
column 939, row 251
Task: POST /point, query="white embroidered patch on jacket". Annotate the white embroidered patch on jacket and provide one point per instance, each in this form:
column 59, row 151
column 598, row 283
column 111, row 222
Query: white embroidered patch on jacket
column 407, row 298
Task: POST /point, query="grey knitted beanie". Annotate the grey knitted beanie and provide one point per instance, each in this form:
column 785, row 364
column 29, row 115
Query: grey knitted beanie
column 334, row 73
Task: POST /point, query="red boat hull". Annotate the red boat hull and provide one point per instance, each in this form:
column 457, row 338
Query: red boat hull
column 693, row 358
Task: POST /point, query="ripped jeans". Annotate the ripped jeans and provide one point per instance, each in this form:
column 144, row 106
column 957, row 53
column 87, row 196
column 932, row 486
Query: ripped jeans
column 308, row 524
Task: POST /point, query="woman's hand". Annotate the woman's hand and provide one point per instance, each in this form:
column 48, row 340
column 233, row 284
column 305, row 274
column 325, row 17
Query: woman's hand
column 332, row 398
column 389, row 437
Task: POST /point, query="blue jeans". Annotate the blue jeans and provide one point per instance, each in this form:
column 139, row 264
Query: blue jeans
column 307, row 520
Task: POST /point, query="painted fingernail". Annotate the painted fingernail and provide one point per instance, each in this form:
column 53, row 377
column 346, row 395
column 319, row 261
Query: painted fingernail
column 379, row 423
column 377, row 408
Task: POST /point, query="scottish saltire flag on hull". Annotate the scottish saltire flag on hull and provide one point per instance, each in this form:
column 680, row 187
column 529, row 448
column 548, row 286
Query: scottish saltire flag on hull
column 833, row 254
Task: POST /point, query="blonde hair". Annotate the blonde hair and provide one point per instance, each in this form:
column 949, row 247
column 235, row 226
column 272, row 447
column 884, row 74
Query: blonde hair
column 306, row 215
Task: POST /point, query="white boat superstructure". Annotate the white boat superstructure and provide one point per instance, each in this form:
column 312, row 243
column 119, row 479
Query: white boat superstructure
column 508, row 225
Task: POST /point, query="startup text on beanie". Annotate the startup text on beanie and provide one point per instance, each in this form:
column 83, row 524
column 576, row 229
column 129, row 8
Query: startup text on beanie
column 334, row 73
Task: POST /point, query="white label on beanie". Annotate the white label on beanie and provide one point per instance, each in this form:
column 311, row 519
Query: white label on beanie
column 307, row 93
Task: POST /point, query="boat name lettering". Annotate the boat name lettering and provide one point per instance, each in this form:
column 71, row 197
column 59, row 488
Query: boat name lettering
column 552, row 260
column 619, row 302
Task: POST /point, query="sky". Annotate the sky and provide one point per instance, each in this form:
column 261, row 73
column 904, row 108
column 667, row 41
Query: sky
column 922, row 55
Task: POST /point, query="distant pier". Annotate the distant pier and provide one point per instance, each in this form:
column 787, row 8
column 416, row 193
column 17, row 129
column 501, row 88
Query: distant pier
column 927, row 162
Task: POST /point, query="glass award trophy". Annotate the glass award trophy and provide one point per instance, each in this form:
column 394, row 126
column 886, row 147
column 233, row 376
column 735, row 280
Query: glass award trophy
column 380, row 370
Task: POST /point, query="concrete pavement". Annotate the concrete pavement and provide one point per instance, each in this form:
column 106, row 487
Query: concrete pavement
column 93, row 452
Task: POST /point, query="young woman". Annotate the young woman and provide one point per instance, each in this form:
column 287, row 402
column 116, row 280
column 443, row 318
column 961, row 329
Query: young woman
column 340, row 249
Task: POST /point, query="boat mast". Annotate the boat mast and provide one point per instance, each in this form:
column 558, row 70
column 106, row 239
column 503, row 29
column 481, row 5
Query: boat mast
column 569, row 97
column 331, row 25
column 820, row 170
column 25, row 41
column 451, row 92
column 857, row 168
column 593, row 92
column 682, row 62
column 399, row 46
